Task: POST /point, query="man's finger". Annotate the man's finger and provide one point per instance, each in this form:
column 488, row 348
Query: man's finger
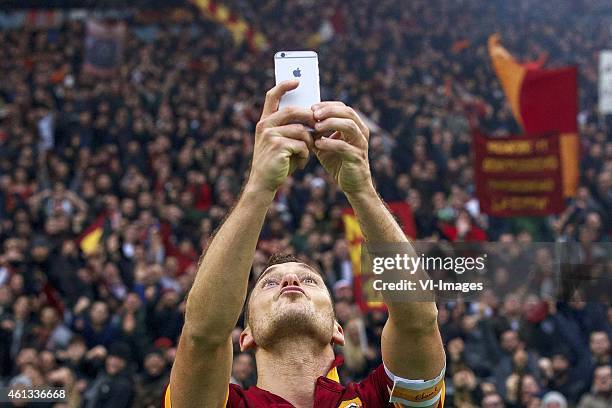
column 327, row 103
column 300, row 150
column 346, row 150
column 293, row 131
column 273, row 96
column 334, row 109
column 291, row 114
column 348, row 127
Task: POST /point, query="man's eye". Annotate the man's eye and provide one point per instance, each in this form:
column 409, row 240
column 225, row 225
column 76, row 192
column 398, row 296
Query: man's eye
column 309, row 279
column 268, row 283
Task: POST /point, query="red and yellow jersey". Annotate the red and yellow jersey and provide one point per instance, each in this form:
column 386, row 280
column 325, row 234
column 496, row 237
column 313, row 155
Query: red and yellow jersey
column 375, row 391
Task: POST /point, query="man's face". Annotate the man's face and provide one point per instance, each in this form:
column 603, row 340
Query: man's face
column 603, row 379
column 154, row 364
column 114, row 364
column 559, row 364
column 509, row 341
column 512, row 305
column 98, row 313
column 77, row 350
column 49, row 317
column 290, row 299
column 242, row 368
column 600, row 344
column 530, row 385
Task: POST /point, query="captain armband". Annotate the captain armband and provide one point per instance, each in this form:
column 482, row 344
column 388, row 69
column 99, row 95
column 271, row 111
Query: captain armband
column 416, row 393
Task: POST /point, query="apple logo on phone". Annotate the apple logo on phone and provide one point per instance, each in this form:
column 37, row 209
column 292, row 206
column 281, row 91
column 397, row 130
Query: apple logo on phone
column 297, row 73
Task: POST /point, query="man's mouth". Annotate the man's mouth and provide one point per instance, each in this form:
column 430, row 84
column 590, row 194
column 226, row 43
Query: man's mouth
column 289, row 289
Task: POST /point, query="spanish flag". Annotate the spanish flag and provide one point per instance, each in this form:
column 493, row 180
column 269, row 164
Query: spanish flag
column 542, row 101
column 241, row 30
column 91, row 237
column 367, row 300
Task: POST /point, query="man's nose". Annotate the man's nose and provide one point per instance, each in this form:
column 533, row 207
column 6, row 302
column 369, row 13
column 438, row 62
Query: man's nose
column 290, row 279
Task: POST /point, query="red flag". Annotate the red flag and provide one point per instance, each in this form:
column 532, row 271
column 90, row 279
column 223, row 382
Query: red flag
column 543, row 101
column 549, row 100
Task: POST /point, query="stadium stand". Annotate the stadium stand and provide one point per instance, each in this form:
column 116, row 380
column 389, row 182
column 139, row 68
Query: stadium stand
column 149, row 160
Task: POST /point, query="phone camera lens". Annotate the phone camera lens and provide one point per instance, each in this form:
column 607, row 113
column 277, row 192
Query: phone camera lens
column 282, row 55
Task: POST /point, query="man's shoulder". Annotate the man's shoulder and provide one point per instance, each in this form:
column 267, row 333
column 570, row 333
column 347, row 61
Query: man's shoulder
column 591, row 400
column 372, row 391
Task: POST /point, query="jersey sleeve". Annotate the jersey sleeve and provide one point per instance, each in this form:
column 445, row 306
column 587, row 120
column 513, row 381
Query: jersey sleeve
column 384, row 389
column 166, row 397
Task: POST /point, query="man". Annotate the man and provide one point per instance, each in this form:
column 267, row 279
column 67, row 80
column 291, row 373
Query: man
column 243, row 370
column 601, row 393
column 289, row 315
column 599, row 344
column 54, row 333
column 113, row 386
column 96, row 327
column 150, row 385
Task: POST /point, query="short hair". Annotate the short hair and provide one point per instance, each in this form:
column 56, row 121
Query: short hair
column 276, row 259
column 598, row 332
column 77, row 338
column 279, row 258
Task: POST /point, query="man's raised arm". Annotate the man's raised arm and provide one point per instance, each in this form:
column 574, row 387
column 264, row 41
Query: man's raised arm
column 201, row 371
column 411, row 343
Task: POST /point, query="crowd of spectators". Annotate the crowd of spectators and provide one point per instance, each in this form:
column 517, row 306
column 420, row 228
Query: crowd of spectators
column 157, row 154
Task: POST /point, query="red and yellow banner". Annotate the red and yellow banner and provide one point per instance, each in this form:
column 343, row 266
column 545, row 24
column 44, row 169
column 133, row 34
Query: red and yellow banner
column 542, row 101
column 518, row 176
column 365, row 296
column 241, row 30
column 91, row 238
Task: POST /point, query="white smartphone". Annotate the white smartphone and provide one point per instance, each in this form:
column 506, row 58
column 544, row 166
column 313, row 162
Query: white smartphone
column 301, row 65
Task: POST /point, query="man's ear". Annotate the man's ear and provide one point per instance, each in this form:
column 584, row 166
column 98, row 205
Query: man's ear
column 338, row 336
column 247, row 341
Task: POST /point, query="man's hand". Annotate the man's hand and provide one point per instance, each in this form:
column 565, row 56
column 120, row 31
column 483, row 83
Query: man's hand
column 344, row 154
column 282, row 142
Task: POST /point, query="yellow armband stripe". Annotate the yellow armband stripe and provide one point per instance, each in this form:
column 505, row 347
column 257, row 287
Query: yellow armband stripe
column 417, row 395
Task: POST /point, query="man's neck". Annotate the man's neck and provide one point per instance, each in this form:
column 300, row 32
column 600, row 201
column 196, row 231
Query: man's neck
column 290, row 370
